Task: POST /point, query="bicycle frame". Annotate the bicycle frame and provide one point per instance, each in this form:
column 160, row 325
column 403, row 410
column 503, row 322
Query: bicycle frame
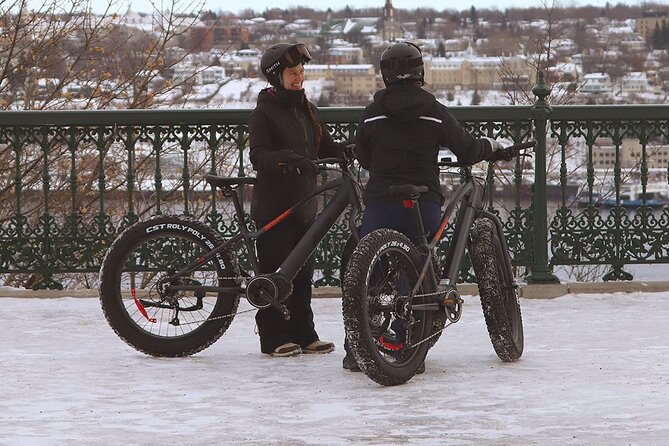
column 470, row 196
column 346, row 194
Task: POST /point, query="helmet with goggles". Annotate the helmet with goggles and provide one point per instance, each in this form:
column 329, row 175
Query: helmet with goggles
column 402, row 62
column 281, row 56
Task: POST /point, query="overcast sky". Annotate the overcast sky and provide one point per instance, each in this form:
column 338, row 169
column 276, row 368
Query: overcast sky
column 261, row 5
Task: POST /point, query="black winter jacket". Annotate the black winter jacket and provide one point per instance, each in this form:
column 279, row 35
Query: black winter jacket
column 399, row 137
column 279, row 128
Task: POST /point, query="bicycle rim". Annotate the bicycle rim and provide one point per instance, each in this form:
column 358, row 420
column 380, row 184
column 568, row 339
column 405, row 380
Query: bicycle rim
column 145, row 270
column 394, row 329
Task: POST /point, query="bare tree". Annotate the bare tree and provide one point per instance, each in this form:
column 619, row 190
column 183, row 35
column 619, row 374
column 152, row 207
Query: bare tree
column 540, row 55
column 62, row 56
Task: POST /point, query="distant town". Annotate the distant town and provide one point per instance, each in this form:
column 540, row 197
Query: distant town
column 616, row 54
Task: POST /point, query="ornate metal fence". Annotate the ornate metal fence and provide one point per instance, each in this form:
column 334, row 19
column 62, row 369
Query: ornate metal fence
column 71, row 181
column 633, row 143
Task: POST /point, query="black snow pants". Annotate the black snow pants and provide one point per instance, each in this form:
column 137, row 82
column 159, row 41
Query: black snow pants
column 273, row 247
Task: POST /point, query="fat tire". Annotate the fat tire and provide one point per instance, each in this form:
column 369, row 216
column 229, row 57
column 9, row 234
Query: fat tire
column 116, row 313
column 438, row 317
column 355, row 309
column 499, row 297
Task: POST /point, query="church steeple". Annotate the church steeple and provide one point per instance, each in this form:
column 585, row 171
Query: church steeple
column 391, row 29
column 388, row 11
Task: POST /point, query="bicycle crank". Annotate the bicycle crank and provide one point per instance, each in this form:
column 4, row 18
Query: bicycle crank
column 263, row 292
column 452, row 303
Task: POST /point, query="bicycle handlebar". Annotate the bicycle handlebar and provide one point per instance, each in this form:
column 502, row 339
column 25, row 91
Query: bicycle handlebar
column 514, row 150
column 332, row 160
column 343, row 163
column 522, row 146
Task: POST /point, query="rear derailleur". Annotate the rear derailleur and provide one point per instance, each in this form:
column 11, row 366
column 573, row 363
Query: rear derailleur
column 170, row 299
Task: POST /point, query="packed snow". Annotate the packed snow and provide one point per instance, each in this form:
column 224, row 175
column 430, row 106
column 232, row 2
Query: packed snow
column 595, row 372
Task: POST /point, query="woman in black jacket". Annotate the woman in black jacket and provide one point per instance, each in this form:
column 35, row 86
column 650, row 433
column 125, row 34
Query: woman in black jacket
column 286, row 133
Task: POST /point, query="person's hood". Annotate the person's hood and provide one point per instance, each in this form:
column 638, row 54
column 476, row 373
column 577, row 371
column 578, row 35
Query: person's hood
column 404, row 102
column 289, row 97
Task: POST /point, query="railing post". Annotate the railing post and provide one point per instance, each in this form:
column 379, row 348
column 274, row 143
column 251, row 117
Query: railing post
column 540, row 271
column 240, row 142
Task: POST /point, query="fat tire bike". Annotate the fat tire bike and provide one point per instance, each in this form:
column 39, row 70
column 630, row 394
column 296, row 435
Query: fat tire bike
column 393, row 305
column 171, row 285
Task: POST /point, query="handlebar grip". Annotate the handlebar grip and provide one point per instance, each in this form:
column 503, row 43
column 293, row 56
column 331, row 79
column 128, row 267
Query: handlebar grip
column 522, row 145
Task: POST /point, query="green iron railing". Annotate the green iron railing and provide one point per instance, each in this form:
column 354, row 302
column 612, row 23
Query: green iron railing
column 628, row 233
column 70, row 181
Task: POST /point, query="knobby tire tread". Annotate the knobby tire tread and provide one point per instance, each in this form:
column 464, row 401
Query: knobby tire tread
column 486, row 254
column 116, row 314
column 438, row 317
column 355, row 314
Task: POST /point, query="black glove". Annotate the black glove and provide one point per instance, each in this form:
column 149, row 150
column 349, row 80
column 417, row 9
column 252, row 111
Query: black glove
column 498, row 151
column 273, row 160
column 301, row 165
column 349, row 151
column 502, row 155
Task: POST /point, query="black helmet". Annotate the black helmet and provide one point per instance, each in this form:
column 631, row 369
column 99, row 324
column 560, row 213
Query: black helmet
column 402, row 62
column 281, row 56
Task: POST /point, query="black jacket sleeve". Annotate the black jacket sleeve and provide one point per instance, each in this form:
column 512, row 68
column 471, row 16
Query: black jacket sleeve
column 362, row 148
column 328, row 148
column 468, row 149
column 263, row 156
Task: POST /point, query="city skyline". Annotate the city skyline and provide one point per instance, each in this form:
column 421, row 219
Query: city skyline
column 261, row 5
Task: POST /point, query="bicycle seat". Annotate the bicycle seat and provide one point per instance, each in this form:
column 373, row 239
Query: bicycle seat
column 407, row 191
column 222, row 182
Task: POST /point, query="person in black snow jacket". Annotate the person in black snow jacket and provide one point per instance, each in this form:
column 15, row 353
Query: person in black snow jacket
column 398, row 141
column 286, row 133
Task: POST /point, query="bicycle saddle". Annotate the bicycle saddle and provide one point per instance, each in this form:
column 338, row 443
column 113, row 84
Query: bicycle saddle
column 217, row 181
column 407, row 191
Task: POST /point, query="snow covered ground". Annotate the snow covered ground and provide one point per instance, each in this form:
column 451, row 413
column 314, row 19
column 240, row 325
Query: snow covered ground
column 595, row 372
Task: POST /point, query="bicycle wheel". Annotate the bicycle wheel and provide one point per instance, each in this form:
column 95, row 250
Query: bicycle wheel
column 438, row 317
column 499, row 296
column 384, row 333
column 138, row 266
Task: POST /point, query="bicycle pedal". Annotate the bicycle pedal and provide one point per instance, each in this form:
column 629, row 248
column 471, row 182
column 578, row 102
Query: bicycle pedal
column 452, row 301
column 285, row 312
column 452, row 298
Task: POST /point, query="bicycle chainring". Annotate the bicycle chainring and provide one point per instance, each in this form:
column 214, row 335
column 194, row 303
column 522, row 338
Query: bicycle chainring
column 261, row 291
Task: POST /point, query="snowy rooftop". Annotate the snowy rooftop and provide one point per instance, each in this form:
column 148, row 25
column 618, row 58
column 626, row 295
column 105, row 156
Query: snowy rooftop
column 635, row 75
column 595, row 372
column 340, row 50
column 596, row 76
column 339, row 67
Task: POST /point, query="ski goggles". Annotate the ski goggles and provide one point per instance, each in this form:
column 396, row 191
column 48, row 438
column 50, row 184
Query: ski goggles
column 296, row 55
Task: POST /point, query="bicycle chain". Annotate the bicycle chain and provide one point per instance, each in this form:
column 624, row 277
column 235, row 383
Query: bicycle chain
column 254, row 309
column 231, row 315
column 431, row 336
column 224, row 316
column 435, row 293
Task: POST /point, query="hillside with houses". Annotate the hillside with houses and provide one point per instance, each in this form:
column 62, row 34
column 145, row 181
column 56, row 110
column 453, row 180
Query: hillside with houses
column 210, row 59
